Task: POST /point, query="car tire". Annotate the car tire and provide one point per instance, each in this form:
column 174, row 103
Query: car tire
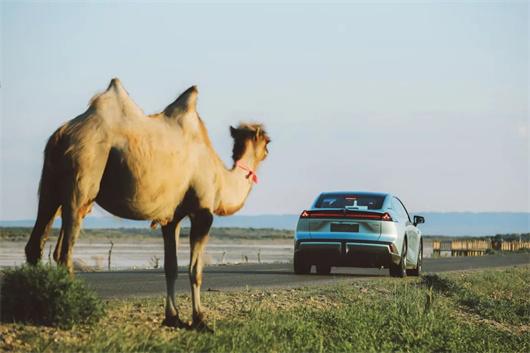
column 417, row 271
column 323, row 269
column 400, row 270
column 301, row 267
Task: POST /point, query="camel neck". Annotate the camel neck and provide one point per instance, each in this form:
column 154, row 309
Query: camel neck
column 251, row 173
column 235, row 186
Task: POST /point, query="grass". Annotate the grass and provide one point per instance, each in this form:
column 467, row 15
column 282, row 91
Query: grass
column 501, row 295
column 484, row 311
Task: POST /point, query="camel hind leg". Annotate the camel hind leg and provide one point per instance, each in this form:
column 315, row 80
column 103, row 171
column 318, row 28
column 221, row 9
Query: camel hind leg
column 73, row 213
column 58, row 246
column 81, row 187
column 48, row 207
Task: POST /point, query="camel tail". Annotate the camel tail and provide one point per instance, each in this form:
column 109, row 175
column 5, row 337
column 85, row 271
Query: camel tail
column 48, row 179
column 49, row 199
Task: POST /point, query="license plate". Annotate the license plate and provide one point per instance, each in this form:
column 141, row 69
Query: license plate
column 344, row 227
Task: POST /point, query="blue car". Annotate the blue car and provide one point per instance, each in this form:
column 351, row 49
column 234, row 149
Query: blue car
column 358, row 229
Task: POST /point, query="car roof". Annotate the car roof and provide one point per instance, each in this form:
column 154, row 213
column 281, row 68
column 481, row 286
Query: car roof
column 357, row 193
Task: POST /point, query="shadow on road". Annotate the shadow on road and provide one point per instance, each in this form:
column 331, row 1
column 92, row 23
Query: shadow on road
column 287, row 273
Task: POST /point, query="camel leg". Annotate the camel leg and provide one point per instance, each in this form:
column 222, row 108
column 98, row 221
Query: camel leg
column 171, row 233
column 72, row 220
column 201, row 221
column 80, row 192
column 77, row 204
column 46, row 214
column 58, row 246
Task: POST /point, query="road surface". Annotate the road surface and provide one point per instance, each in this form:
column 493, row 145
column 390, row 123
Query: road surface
column 232, row 277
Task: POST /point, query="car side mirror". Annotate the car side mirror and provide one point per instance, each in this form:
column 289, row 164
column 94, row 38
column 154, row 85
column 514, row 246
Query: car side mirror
column 418, row 220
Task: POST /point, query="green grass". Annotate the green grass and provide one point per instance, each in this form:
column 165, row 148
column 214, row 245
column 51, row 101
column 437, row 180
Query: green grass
column 500, row 295
column 429, row 314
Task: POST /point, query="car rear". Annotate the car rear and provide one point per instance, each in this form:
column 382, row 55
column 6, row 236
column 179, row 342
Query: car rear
column 346, row 229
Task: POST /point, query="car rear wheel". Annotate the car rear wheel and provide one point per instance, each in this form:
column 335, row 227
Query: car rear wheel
column 400, row 270
column 323, row 269
column 301, row 267
column 417, row 271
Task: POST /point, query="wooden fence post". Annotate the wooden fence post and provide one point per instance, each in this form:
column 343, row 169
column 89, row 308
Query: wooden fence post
column 110, row 254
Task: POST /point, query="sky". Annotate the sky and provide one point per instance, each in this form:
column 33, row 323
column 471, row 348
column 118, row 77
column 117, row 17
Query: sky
column 427, row 100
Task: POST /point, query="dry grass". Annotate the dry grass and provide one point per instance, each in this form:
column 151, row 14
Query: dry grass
column 374, row 315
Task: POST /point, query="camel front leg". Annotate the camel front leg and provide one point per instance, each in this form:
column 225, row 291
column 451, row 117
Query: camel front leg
column 171, row 233
column 201, row 222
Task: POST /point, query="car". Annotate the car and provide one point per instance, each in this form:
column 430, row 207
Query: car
column 358, row 229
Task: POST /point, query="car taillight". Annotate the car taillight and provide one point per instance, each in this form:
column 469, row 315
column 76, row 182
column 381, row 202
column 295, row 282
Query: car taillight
column 355, row 215
column 386, row 217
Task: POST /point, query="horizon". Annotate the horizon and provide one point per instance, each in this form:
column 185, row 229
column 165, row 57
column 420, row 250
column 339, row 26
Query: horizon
column 109, row 215
column 428, row 101
column 437, row 223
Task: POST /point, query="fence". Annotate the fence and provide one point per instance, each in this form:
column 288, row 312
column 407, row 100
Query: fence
column 474, row 247
column 511, row 246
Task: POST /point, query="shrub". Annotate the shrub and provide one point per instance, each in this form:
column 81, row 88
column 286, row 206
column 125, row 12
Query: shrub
column 47, row 295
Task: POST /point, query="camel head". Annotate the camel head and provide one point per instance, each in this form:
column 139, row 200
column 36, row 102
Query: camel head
column 250, row 141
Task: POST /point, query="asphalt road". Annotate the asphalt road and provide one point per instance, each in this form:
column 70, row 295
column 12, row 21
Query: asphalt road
column 233, row 277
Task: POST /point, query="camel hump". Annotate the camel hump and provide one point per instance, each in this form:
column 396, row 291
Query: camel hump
column 115, row 83
column 115, row 87
column 186, row 102
column 115, row 96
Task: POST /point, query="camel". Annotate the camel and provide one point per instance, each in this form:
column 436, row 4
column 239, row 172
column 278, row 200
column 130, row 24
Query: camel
column 160, row 167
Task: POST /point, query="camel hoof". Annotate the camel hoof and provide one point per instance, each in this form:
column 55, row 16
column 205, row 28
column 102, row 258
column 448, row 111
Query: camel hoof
column 175, row 321
column 32, row 261
column 32, row 257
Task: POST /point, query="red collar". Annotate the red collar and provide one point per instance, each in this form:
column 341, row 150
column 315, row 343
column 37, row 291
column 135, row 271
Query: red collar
column 251, row 173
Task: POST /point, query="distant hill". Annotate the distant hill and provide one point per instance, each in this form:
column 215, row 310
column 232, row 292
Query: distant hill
column 437, row 223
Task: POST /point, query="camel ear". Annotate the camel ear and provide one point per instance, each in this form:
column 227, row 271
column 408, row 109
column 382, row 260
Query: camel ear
column 186, row 102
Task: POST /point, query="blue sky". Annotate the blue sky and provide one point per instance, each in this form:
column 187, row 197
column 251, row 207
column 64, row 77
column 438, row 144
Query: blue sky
column 426, row 100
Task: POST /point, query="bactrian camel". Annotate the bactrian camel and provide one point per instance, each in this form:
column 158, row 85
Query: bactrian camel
column 159, row 167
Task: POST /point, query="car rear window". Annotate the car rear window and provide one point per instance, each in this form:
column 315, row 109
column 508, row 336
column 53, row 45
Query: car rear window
column 353, row 201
